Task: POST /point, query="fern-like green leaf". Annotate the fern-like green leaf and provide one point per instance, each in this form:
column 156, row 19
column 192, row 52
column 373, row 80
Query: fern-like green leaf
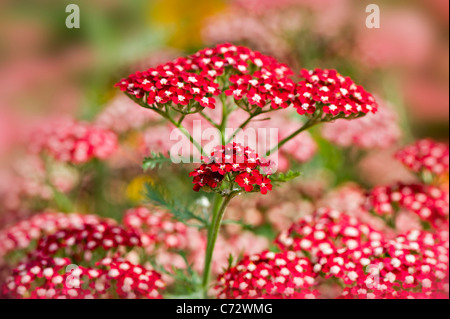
column 155, row 160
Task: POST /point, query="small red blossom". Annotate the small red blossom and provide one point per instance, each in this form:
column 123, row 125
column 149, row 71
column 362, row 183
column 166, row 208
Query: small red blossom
column 131, row 281
column 193, row 81
column 240, row 163
column 156, row 227
column 21, row 234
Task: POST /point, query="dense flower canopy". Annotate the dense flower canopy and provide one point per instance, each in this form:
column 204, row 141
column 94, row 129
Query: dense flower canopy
column 325, row 233
column 413, row 265
column 53, row 278
column 240, row 164
column 366, row 262
column 81, row 243
column 268, row 275
column 380, row 130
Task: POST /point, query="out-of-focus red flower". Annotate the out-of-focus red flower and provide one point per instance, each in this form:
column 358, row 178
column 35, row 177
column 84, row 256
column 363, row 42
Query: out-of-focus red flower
column 74, row 142
column 325, row 233
column 379, row 130
column 425, row 156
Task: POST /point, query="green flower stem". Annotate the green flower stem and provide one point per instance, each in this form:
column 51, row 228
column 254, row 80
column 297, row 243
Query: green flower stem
column 178, row 124
column 209, row 119
column 310, row 123
column 306, row 126
column 218, row 212
column 243, row 125
column 186, row 133
column 247, row 121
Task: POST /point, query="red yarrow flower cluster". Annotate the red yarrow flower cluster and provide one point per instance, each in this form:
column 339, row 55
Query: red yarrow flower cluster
column 425, row 156
column 333, row 93
column 325, row 233
column 80, row 244
column 241, row 164
column 430, row 203
column 187, row 83
column 261, row 89
column 51, row 278
column 268, row 275
column 47, row 279
column 20, row 235
column 414, row 265
column 156, row 227
column 74, row 142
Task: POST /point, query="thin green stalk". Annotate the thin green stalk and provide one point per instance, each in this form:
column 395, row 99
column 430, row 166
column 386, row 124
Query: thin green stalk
column 210, row 120
column 178, row 124
column 310, row 123
column 213, row 232
column 185, row 133
column 223, row 124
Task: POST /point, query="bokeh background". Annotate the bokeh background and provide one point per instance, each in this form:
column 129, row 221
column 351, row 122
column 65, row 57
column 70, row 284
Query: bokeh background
column 48, row 72
column 47, row 69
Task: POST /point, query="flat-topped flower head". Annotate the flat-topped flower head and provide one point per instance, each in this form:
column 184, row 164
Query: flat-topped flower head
column 425, row 156
column 325, row 233
column 88, row 241
column 47, row 278
column 333, row 94
column 430, row 203
column 239, row 166
column 57, row 278
column 192, row 83
column 413, row 265
column 268, row 275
